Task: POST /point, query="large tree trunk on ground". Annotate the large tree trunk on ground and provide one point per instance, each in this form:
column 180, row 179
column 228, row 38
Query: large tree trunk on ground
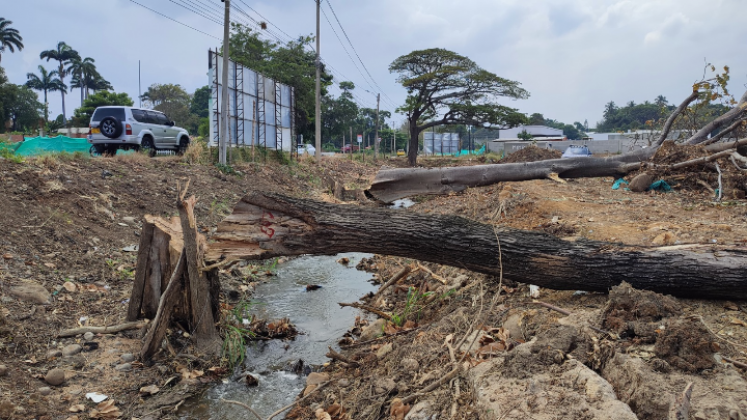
column 393, row 184
column 265, row 225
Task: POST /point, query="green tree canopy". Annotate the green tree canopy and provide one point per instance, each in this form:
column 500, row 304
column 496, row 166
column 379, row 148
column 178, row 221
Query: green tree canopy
column 173, row 101
column 65, row 56
column 103, row 98
column 200, row 104
column 445, row 88
column 20, row 106
column 10, row 38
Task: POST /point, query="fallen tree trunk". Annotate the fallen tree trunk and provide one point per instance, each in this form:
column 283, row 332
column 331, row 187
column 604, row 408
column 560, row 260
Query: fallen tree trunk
column 265, row 225
column 393, row 184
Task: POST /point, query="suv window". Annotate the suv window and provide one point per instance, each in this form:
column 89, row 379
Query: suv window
column 102, row 113
column 139, row 115
column 151, row 117
column 162, row 119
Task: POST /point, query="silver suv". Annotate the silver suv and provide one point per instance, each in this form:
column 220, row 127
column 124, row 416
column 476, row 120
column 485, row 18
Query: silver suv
column 127, row 128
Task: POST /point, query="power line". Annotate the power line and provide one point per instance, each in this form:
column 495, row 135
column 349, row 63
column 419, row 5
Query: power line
column 196, row 12
column 174, row 20
column 266, row 20
column 354, row 50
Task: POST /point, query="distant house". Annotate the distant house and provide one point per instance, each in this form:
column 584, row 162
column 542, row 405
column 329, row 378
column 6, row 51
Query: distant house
column 537, row 131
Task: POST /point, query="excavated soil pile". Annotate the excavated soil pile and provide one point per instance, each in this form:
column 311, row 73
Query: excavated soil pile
column 531, row 154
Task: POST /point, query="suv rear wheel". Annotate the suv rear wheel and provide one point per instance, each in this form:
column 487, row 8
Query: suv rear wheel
column 146, row 145
column 183, row 145
column 111, row 127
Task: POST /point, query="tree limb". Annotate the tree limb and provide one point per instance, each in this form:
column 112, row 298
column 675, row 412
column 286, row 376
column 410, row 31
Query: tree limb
column 668, row 125
column 102, row 330
column 702, row 134
column 724, row 132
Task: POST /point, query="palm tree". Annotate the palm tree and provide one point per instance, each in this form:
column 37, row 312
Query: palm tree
column 47, row 82
column 9, row 37
column 65, row 55
column 80, row 69
column 661, row 101
column 90, row 82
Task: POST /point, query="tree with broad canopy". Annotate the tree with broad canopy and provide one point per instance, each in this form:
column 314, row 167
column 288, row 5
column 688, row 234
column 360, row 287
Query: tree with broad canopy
column 446, row 88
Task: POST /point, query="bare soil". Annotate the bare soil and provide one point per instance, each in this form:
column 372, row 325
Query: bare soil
column 69, row 221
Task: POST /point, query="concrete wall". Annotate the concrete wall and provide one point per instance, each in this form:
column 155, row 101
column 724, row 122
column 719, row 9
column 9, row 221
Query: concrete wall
column 596, row 147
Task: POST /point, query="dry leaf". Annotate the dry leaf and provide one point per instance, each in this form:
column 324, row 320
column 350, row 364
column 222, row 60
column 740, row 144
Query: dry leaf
column 149, row 390
column 322, row 415
column 737, row 321
column 335, row 410
column 491, row 349
column 106, row 410
column 398, row 410
column 409, row 325
column 70, row 286
column 731, row 306
column 77, row 408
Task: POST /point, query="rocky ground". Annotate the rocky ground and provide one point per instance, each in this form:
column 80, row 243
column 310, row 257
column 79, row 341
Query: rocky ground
column 459, row 345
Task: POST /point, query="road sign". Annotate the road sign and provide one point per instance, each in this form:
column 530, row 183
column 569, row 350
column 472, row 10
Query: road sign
column 360, row 138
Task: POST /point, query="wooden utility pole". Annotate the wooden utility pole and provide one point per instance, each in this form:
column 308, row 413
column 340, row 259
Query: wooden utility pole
column 318, row 115
column 351, row 142
column 376, row 129
column 225, row 133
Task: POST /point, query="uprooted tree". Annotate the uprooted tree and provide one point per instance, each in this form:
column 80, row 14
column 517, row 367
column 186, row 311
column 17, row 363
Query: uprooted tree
column 265, row 225
column 392, row 184
column 445, row 88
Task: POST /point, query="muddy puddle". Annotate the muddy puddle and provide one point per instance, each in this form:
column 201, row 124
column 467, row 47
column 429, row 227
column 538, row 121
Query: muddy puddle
column 315, row 313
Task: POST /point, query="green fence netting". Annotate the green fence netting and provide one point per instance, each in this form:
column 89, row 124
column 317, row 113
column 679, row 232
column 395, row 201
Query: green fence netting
column 36, row 146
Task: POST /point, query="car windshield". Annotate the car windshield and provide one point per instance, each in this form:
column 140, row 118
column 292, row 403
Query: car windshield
column 102, row 113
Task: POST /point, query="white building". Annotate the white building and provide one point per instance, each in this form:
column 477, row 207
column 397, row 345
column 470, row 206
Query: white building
column 537, row 131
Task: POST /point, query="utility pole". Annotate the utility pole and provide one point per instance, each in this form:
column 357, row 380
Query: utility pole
column 139, row 87
column 318, row 115
column 225, row 133
column 351, row 142
column 376, row 129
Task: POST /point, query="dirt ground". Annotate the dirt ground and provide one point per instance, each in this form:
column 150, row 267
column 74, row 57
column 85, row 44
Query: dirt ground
column 68, row 224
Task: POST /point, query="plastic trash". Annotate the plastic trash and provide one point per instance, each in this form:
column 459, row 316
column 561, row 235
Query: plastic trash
column 96, row 397
column 619, row 183
column 660, row 186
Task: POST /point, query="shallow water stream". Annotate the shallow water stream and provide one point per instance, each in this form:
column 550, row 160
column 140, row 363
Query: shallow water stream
column 315, row 313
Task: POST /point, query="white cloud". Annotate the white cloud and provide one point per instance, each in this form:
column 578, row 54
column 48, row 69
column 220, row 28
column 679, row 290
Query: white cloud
column 572, row 55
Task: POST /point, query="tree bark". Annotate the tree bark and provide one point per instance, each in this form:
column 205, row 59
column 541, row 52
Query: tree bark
column 202, row 320
column 265, row 225
column 169, row 300
column 141, row 271
column 393, row 184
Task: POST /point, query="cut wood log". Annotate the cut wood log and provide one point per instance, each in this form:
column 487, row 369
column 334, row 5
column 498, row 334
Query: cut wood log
column 170, row 298
column 267, row 225
column 202, row 320
column 393, row 184
column 138, row 286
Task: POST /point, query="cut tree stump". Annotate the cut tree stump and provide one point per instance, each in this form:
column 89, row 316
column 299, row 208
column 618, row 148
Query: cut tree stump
column 266, row 225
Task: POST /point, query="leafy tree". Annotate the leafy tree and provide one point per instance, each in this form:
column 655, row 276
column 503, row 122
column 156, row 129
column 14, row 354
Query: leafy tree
column 579, row 126
column 661, row 101
column 45, row 82
column 203, row 130
column 20, row 105
column 65, row 55
column 86, row 77
column 524, row 135
column 10, row 38
column 446, row 88
column 536, row 119
column 173, row 101
column 291, row 64
column 200, row 104
column 103, row 98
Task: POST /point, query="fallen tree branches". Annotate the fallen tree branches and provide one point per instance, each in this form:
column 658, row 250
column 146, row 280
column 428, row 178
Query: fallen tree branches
column 102, row 330
column 266, row 225
column 367, row 308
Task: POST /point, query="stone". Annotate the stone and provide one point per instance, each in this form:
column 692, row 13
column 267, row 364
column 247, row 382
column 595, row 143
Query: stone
column 384, row 385
column 317, row 378
column 665, row 238
column 422, row 411
column 55, row 377
column 71, row 350
column 384, row 350
column 128, row 219
column 45, row 390
column 88, row 336
column 373, row 330
column 31, row 292
column 641, row 182
column 124, row 367
column 3, row 371
column 410, row 365
column 343, row 383
column 51, row 354
column 128, row 357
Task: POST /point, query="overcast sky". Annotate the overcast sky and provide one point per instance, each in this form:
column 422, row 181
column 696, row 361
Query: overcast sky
column 573, row 56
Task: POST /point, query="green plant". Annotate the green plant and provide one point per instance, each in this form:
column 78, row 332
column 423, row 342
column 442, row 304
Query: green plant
column 8, row 154
column 226, row 169
column 237, row 334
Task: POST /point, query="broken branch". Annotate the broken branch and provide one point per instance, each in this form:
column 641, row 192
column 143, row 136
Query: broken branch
column 357, row 305
column 102, row 330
